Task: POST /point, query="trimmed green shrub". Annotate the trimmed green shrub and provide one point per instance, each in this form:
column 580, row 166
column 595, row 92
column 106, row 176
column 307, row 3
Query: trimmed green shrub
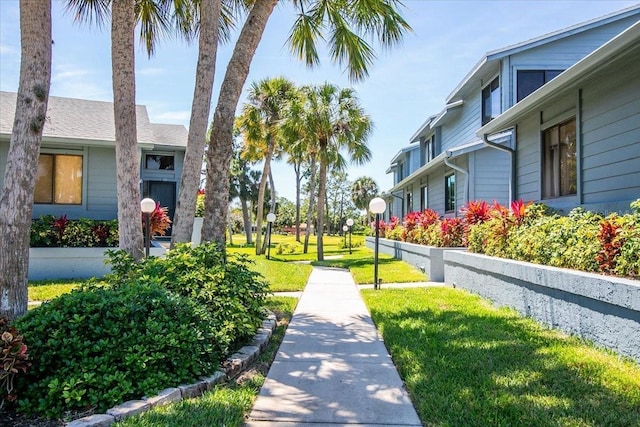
column 233, row 294
column 288, row 248
column 49, row 231
column 99, row 346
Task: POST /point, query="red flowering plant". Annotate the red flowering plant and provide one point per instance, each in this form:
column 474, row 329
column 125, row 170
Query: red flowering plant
column 474, row 212
column 382, row 228
column 611, row 243
column 13, row 360
column 451, row 232
column 60, row 225
column 159, row 221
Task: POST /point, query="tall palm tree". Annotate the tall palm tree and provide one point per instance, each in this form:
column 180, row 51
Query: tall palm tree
column 192, row 167
column 362, row 191
column 16, row 194
column 155, row 18
column 339, row 125
column 260, row 124
column 345, row 25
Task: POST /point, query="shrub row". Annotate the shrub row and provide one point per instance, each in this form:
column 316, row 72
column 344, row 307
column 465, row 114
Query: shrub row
column 530, row 232
column 148, row 326
column 49, row 231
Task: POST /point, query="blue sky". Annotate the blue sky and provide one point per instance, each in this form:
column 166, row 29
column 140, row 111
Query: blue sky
column 406, row 84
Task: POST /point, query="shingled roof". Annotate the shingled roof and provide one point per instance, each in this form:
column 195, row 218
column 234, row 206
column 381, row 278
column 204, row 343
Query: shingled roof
column 82, row 120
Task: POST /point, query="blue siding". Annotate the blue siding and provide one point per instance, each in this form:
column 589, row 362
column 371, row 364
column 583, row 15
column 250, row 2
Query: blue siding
column 492, row 172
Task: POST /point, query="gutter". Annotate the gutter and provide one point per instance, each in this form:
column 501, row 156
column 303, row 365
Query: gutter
column 511, row 152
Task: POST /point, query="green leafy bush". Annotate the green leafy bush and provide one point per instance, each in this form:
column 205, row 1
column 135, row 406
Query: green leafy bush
column 14, row 360
column 49, row 231
column 288, row 248
column 233, row 294
column 99, row 346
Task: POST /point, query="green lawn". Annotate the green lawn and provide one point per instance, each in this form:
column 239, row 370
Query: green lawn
column 47, row 290
column 227, row 404
column 467, row 363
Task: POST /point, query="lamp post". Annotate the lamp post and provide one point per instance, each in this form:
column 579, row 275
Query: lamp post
column 350, row 224
column 147, row 205
column 345, row 229
column 271, row 217
column 377, row 205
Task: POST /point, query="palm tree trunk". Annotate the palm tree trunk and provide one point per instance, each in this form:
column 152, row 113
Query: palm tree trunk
column 124, row 108
column 200, row 107
column 322, row 188
column 266, row 169
column 312, row 194
column 221, row 140
column 246, row 220
column 296, row 168
column 16, row 195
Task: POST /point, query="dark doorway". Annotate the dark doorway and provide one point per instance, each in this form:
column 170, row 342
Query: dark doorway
column 164, row 193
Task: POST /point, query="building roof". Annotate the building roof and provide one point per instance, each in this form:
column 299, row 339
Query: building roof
column 82, row 120
column 625, row 43
column 491, row 59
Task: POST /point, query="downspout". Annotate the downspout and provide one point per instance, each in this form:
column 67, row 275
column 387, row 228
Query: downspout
column 511, row 152
column 465, row 193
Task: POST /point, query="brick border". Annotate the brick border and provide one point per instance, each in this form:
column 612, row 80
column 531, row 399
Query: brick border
column 231, row 367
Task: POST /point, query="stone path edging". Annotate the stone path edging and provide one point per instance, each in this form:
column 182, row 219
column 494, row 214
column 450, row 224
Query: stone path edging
column 231, row 367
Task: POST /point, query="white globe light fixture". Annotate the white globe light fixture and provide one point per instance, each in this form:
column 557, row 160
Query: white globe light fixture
column 147, row 205
column 271, row 217
column 350, row 222
column 377, row 205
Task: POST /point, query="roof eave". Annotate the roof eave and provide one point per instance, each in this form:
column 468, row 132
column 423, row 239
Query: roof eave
column 563, row 81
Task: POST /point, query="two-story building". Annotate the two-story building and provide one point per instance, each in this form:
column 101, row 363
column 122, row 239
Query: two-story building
column 463, row 157
column 77, row 165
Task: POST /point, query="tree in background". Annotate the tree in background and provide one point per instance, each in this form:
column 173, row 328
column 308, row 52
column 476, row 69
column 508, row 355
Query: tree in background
column 338, row 199
column 260, row 124
column 362, row 191
column 338, row 124
column 345, row 25
column 16, row 195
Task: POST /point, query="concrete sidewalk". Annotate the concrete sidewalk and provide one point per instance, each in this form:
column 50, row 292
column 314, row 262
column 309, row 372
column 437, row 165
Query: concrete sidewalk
column 332, row 368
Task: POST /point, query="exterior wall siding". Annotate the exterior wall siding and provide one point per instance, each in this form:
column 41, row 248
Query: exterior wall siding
column 528, row 159
column 4, row 152
column 611, row 136
column 492, row 172
column 462, row 126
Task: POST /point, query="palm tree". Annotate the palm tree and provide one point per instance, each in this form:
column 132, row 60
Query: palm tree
column 344, row 24
column 339, row 124
column 260, row 124
column 362, row 191
column 154, row 17
column 192, row 167
column 16, row 194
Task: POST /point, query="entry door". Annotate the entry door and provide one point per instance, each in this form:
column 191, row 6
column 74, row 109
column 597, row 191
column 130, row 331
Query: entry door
column 164, row 193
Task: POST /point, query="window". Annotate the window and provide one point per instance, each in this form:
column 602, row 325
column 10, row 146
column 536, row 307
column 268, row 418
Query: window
column 429, row 149
column 530, row 80
column 424, row 198
column 450, row 193
column 59, row 179
column 409, row 196
column 491, row 101
column 559, row 160
column 159, row 162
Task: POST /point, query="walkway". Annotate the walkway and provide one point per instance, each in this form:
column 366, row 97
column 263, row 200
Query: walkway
column 332, row 368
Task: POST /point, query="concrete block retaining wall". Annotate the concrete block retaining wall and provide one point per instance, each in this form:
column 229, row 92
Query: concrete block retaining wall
column 426, row 258
column 71, row 263
column 603, row 309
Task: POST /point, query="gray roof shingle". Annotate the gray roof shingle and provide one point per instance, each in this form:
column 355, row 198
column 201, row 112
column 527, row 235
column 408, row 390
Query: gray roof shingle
column 81, row 120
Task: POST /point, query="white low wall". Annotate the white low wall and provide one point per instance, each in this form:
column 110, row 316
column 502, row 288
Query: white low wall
column 603, row 309
column 426, row 258
column 71, row 263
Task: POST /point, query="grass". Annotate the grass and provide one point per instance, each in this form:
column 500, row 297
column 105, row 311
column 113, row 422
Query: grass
column 282, row 276
column 467, row 363
column 48, row 290
column 361, row 265
column 227, row 404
